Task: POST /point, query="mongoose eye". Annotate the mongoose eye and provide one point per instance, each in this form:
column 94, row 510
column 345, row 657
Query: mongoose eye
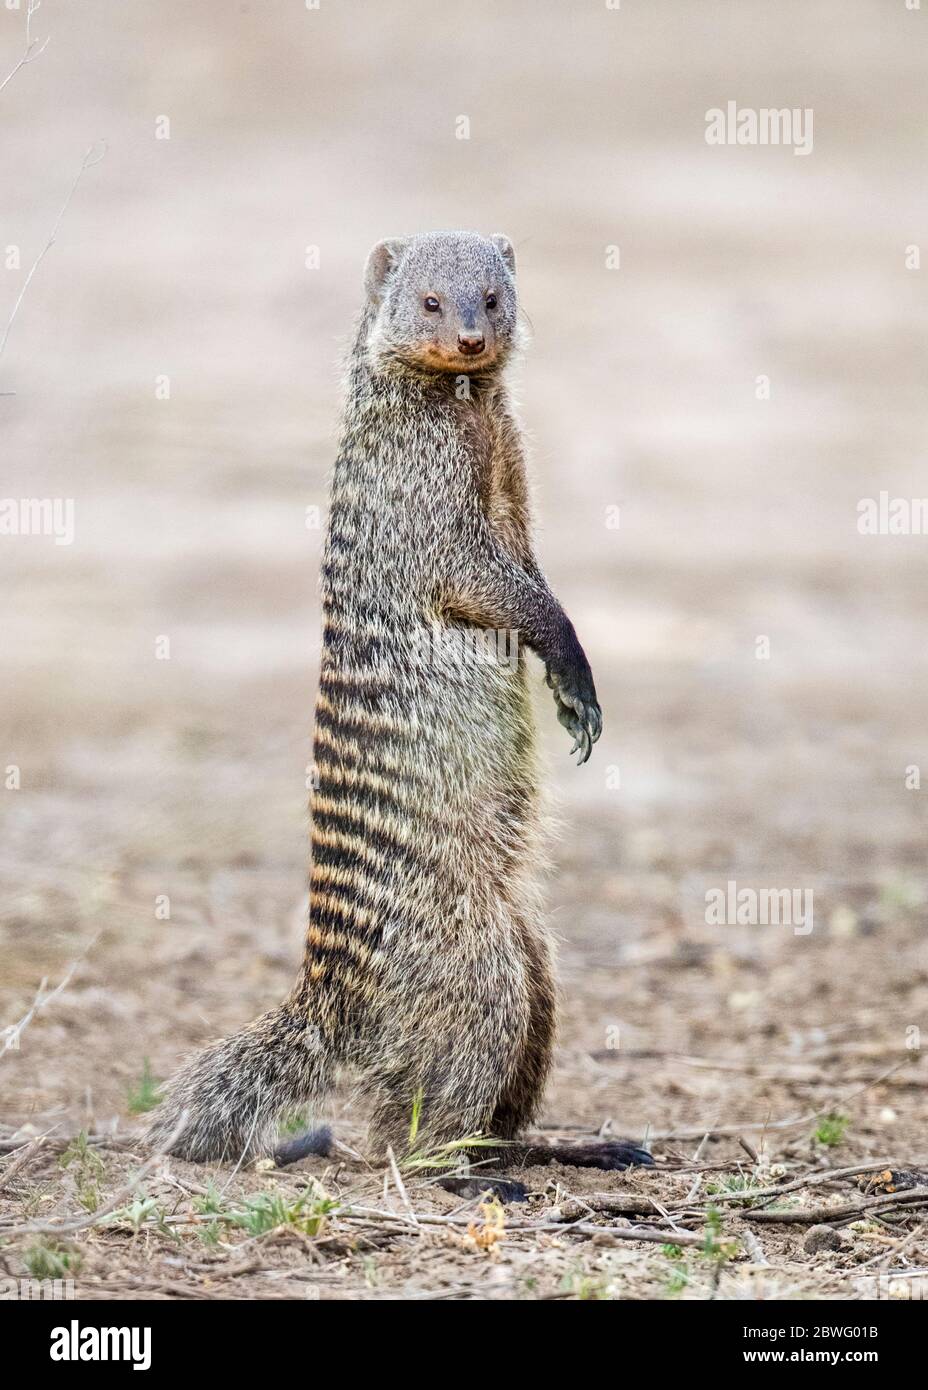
column 432, row 304
column 491, row 301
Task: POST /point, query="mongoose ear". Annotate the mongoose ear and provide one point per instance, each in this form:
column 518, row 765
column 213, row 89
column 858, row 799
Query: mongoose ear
column 382, row 260
column 504, row 247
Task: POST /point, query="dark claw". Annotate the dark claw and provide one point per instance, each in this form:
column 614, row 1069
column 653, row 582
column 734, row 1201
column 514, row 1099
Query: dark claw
column 618, row 1153
column 577, row 708
column 585, row 749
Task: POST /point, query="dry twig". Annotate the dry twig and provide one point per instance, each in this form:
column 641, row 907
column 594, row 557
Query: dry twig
column 88, row 162
column 33, row 48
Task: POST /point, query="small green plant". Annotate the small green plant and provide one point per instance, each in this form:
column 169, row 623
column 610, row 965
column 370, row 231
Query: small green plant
column 269, row 1211
column 294, row 1122
column 586, row 1288
column 900, row 895
column 139, row 1213
column 831, row 1129
column 677, row 1280
column 144, row 1096
column 678, row 1277
column 445, row 1156
column 48, row 1260
column 731, row 1183
column 88, row 1168
column 713, row 1248
column 210, row 1202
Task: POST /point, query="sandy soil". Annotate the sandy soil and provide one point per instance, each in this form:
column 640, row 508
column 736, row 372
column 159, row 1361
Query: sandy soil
column 141, row 778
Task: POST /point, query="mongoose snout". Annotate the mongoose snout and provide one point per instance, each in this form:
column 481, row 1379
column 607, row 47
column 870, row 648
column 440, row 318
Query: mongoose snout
column 471, row 343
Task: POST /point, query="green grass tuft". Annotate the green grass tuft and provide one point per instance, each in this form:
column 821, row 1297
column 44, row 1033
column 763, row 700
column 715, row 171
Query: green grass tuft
column 145, row 1095
column 831, row 1129
column 48, row 1260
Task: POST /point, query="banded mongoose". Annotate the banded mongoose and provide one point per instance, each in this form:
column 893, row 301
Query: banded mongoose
column 427, row 967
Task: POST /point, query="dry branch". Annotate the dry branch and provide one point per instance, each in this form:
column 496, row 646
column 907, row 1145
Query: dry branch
column 872, row 1206
column 20, row 1161
column 33, row 48
column 14, row 1031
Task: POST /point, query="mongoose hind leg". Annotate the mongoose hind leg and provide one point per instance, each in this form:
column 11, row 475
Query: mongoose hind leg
column 451, row 1033
column 520, row 1103
column 521, row 1099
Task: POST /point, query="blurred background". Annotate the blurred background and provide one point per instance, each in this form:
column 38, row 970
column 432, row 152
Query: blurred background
column 174, row 368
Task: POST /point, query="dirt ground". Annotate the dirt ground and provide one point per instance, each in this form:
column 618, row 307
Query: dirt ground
column 154, row 810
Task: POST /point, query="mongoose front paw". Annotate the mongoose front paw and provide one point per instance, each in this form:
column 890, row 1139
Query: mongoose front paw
column 577, row 706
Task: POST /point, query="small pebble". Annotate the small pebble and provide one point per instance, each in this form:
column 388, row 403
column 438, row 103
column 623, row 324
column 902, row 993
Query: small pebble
column 822, row 1238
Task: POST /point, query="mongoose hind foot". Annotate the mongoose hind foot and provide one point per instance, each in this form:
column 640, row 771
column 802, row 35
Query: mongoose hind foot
column 609, row 1154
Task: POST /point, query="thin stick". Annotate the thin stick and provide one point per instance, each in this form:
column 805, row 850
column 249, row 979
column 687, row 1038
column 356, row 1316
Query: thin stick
column 884, row 1261
column 14, row 1031
column 86, row 163
column 915, row 1198
column 702, row 1144
column 31, row 52
column 20, row 1160
column 645, row 1233
column 400, row 1186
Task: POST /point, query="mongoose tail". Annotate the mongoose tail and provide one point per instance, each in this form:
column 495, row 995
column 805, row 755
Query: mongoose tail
column 234, row 1092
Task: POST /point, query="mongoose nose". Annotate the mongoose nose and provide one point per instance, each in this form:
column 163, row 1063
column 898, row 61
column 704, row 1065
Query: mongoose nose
column 471, row 343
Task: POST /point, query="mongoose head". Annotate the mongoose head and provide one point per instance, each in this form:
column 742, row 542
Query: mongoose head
column 442, row 302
